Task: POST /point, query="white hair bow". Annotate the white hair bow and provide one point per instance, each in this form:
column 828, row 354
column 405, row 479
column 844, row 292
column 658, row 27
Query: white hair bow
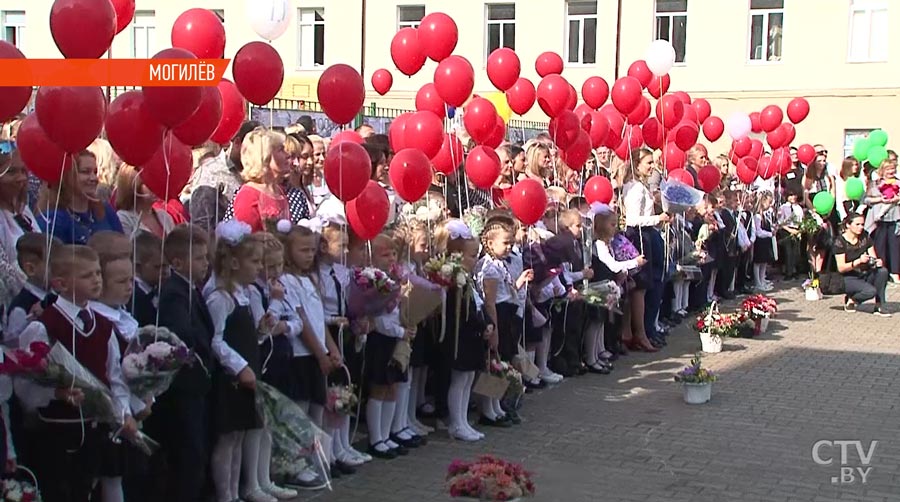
column 315, row 224
column 600, row 208
column 459, row 230
column 233, row 231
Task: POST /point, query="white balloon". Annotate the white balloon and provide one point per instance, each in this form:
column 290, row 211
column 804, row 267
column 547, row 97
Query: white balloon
column 738, row 125
column 660, row 57
column 269, row 18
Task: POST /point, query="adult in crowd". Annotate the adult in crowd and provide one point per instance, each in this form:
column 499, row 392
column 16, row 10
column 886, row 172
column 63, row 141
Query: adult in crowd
column 134, row 204
column 864, row 274
column 234, row 149
column 365, row 130
column 697, row 158
column 843, row 205
column 16, row 217
column 75, row 212
column 108, row 165
column 538, row 163
column 884, row 216
column 517, row 153
column 261, row 199
column 212, row 187
column 300, row 159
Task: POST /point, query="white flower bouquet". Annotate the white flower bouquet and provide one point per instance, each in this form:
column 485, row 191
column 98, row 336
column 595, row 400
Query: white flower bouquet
column 372, row 291
column 446, row 271
column 152, row 361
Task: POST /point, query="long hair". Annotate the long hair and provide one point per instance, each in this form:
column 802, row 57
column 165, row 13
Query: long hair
column 65, row 189
column 226, row 252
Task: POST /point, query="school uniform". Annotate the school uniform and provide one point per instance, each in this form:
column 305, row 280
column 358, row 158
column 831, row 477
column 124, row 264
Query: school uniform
column 334, row 281
column 380, row 346
column 74, row 450
column 509, row 312
column 144, row 303
column 235, row 346
column 276, row 351
column 310, row 382
column 744, row 273
column 728, row 246
column 19, row 309
column 566, row 251
column 764, row 247
column 464, row 341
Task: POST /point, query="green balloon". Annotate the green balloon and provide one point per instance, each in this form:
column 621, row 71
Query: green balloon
column 854, row 189
column 878, row 137
column 823, row 202
column 877, row 155
column 861, row 149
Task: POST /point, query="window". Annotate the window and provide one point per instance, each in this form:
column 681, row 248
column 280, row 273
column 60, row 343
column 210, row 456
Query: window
column 671, row 25
column 143, row 35
column 501, row 26
column 311, row 48
column 220, row 13
column 14, row 27
column 408, row 16
column 766, row 25
column 850, row 137
column 868, row 31
column 581, row 32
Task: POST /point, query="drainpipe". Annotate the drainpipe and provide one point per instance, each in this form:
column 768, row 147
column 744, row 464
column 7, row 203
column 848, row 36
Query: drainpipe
column 618, row 37
column 362, row 56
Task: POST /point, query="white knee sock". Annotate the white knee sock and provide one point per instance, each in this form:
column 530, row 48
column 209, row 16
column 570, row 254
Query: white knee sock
column 679, row 295
column 337, row 444
column 455, row 394
column 711, row 287
column 543, row 350
column 388, row 408
column 345, row 434
column 757, row 278
column 601, row 339
column 685, row 295
column 412, row 397
column 265, row 459
column 250, row 459
column 763, row 271
column 487, row 408
column 111, row 489
column 236, row 461
column 464, row 401
column 221, row 467
column 498, row 410
column 590, row 344
column 373, row 421
column 400, row 413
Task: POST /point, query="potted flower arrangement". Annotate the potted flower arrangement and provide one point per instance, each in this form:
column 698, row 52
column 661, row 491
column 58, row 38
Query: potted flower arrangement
column 489, row 478
column 811, row 290
column 759, row 309
column 696, row 382
column 713, row 326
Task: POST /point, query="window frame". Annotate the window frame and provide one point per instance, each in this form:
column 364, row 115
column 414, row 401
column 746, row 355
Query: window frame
column 853, row 134
column 671, row 16
column 765, row 13
column 139, row 21
column 312, row 25
column 19, row 28
column 580, row 18
column 409, row 24
column 869, row 7
column 499, row 22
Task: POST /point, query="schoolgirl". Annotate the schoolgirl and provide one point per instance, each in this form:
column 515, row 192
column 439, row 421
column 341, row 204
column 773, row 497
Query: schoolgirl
column 765, row 252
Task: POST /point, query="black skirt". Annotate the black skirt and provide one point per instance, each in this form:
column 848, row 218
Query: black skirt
column 534, row 334
column 276, row 354
column 234, row 406
column 380, row 367
column 352, row 359
column 423, row 343
column 309, row 379
column 643, row 277
column 509, row 330
column 762, row 250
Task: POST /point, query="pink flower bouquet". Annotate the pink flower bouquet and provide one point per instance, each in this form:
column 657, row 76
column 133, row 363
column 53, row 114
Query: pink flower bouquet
column 371, row 292
column 489, row 478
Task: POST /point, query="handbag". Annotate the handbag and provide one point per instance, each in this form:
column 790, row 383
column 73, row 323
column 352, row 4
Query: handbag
column 831, row 283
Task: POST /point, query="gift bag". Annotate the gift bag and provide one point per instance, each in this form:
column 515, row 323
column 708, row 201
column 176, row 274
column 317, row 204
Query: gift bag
column 419, row 299
column 491, row 386
column 524, row 365
column 402, row 353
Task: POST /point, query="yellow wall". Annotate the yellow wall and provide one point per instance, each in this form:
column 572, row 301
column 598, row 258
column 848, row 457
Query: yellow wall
column 814, row 64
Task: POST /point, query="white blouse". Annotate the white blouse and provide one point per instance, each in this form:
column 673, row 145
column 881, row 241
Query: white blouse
column 490, row 268
column 280, row 310
column 17, row 319
column 334, row 305
column 638, row 205
column 388, row 324
column 126, row 325
column 310, row 301
column 11, row 231
column 221, row 304
column 606, row 258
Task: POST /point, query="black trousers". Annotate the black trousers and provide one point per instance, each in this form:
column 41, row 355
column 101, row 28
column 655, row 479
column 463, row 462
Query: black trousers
column 68, row 466
column 868, row 286
column 742, row 273
column 727, row 267
column 180, row 422
column 887, row 245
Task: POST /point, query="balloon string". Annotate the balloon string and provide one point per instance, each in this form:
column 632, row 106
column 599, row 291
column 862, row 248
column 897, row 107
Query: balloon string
column 52, row 225
column 162, row 247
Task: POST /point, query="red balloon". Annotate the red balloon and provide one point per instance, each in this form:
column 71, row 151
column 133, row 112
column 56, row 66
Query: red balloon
column 599, row 129
column 595, row 91
column 746, row 170
column 344, row 136
column 669, row 110
column 756, row 148
column 767, row 167
column 503, row 68
column 124, row 13
column 406, row 51
column 690, row 115
column 347, row 170
column 703, row 109
column 425, row 131
column 798, row 110
column 480, row 119
column 202, row 33
column 528, row 201
column 659, row 86
column 258, row 72
column 410, row 174
column 672, row 157
column 709, row 177
column 681, row 176
column 198, row 128
column 754, row 123
column 653, row 133
column 684, row 135
column 564, row 129
column 578, row 152
column 622, row 150
column 82, row 29
column 598, row 189
column 583, row 112
column 713, row 127
column 341, row 93
column 234, row 109
column 633, row 136
column 450, row 156
column 171, row 106
column 521, row 96
column 483, row 167
column 641, row 112
column 548, row 63
column 438, row 35
column 790, row 133
column 806, row 154
column 781, row 159
column 454, row 79
column 382, row 80
column 742, row 146
column 553, row 94
column 776, row 138
column 572, row 100
column 42, row 156
column 13, row 99
column 626, row 94
column 427, row 99
column 72, row 117
column 641, row 72
column 169, row 170
column 368, row 213
column 770, row 118
column 397, row 131
column 616, row 125
column 131, row 130
column 683, row 96
column 497, row 135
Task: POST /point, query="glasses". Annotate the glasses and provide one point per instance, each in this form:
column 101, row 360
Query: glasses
column 7, row 147
column 822, row 152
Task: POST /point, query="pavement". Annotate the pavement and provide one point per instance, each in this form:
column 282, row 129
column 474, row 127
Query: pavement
column 820, row 380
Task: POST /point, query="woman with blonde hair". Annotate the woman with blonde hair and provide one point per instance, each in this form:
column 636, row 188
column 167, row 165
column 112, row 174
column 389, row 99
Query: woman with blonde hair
column 108, row 164
column 538, row 163
column 134, row 202
column 265, row 162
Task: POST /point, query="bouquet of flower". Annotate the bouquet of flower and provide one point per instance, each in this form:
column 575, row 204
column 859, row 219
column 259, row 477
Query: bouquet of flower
column 759, row 307
column 505, row 370
column 604, row 294
column 342, row 399
column 489, row 478
column 809, row 226
column 475, row 218
column 18, row 490
column 622, row 248
column 695, row 373
column 678, row 197
column 446, row 271
column 718, row 324
column 425, row 211
column 152, row 361
column 371, row 292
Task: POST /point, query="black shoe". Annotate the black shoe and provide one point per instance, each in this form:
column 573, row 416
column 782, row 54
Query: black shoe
column 335, row 472
column 384, row 455
column 487, row 422
column 344, row 469
column 513, row 417
column 311, row 485
column 598, row 369
column 581, row 370
column 413, row 442
column 539, row 384
column 400, row 450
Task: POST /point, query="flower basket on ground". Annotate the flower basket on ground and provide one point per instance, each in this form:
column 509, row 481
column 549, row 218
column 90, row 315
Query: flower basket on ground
column 759, row 309
column 696, row 381
column 489, row 478
column 811, row 290
column 715, row 326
